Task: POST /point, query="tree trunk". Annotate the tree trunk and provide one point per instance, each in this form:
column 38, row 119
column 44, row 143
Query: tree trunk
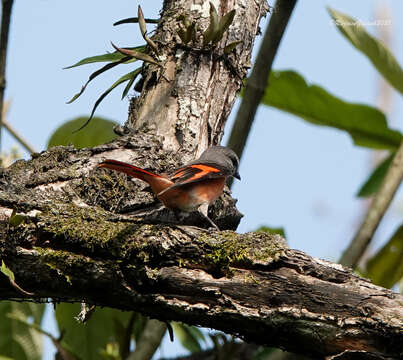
column 85, row 234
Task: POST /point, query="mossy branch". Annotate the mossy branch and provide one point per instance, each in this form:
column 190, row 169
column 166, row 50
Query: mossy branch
column 250, row 285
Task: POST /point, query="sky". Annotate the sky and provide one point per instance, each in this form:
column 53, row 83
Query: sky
column 294, row 175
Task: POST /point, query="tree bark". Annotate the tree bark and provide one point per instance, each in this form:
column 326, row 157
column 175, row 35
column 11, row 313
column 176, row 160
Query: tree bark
column 248, row 285
column 85, row 234
column 188, row 101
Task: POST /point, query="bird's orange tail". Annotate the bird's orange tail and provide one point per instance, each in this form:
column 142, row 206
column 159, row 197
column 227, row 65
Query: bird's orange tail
column 128, row 169
column 157, row 182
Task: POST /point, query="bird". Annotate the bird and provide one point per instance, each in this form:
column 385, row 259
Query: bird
column 192, row 187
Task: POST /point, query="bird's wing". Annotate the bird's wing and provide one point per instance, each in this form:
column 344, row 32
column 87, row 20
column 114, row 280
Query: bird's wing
column 193, row 173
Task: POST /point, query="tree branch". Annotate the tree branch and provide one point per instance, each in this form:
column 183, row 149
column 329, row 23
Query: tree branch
column 5, row 27
column 70, row 248
column 257, row 82
column 149, row 341
column 13, row 132
column 190, row 108
column 379, row 205
column 233, row 350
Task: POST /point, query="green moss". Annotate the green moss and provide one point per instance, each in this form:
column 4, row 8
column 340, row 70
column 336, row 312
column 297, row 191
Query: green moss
column 63, row 261
column 235, row 249
column 88, row 228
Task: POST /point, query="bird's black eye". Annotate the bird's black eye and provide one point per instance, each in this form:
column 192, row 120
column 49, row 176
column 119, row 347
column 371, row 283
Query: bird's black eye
column 235, row 161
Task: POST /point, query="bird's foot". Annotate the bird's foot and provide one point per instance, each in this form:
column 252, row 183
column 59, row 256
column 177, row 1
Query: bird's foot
column 203, row 210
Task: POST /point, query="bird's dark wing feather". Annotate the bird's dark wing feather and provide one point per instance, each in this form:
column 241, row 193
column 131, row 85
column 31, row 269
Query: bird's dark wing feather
column 193, row 173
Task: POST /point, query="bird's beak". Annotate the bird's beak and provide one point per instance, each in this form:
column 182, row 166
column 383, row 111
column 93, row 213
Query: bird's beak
column 237, row 176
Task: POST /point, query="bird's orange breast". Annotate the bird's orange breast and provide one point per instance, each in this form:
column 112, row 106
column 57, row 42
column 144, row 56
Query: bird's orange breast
column 189, row 197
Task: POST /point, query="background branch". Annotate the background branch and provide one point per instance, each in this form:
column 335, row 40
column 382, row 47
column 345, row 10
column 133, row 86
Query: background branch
column 257, row 82
column 149, row 341
column 376, row 211
column 5, row 27
column 13, row 132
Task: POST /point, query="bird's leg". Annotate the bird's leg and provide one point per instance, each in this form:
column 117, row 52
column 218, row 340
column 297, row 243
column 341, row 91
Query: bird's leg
column 203, row 210
column 178, row 215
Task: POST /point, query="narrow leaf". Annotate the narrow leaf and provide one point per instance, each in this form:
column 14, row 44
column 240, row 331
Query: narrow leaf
column 17, row 340
column 212, row 29
column 194, row 32
column 88, row 340
column 231, row 46
column 373, row 49
column 16, row 219
column 185, row 20
column 189, row 336
column 136, row 54
column 7, row 271
column 190, row 33
column 140, row 323
column 142, row 22
column 288, row 91
column 64, row 353
column 386, row 267
column 121, row 80
column 143, row 30
column 96, row 73
column 223, row 25
column 135, row 20
column 263, row 353
column 128, row 86
column 109, row 57
column 372, row 184
column 124, row 335
column 182, row 35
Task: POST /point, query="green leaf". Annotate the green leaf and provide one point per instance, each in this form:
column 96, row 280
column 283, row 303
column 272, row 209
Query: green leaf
column 231, row 46
column 15, row 219
column 189, row 336
column 223, row 25
column 182, row 34
column 271, row 230
column 386, row 267
column 128, row 86
column 136, row 54
column 62, row 349
column 17, row 340
column 108, row 57
column 124, row 335
column 100, row 131
column 140, row 323
column 6, row 271
column 263, row 353
column 288, row 91
column 96, row 73
column 111, row 352
column 373, row 49
column 141, row 20
column 121, row 80
column 372, row 184
column 90, row 338
column 190, row 32
column 212, row 29
column 135, row 20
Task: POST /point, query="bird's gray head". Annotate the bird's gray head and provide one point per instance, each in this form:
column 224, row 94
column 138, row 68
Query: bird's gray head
column 222, row 157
